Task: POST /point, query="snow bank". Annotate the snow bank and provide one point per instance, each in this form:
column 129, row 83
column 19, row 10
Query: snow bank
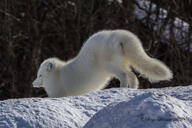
column 70, row 112
column 168, row 107
column 144, row 111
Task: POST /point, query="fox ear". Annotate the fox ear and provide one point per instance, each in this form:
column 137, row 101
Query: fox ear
column 49, row 67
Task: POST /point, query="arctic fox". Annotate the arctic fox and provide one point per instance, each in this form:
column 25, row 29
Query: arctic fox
column 106, row 54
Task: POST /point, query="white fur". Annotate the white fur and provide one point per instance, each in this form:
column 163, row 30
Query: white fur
column 104, row 55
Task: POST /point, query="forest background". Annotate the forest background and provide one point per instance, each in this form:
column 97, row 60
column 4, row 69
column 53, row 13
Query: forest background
column 33, row 30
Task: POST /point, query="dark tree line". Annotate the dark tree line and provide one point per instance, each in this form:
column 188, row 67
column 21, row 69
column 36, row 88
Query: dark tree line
column 33, row 30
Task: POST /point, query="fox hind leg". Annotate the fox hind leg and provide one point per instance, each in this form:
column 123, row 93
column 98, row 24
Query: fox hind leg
column 120, row 74
column 126, row 77
column 132, row 80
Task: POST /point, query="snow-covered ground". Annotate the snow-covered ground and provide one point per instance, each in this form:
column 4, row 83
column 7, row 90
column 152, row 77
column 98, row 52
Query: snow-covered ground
column 112, row 108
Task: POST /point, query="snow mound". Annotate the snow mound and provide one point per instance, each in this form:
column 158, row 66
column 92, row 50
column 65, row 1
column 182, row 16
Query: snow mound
column 144, row 111
column 151, row 108
column 36, row 113
column 68, row 112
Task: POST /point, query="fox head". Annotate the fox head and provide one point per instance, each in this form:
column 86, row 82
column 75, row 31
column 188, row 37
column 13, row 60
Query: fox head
column 44, row 71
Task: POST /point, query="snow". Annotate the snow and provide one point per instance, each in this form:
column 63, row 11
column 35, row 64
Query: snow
column 111, row 108
column 146, row 110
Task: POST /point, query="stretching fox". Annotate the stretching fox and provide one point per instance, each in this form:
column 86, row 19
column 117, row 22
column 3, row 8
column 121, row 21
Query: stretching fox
column 104, row 55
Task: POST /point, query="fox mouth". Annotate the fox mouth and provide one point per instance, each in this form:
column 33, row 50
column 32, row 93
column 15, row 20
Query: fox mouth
column 36, row 85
